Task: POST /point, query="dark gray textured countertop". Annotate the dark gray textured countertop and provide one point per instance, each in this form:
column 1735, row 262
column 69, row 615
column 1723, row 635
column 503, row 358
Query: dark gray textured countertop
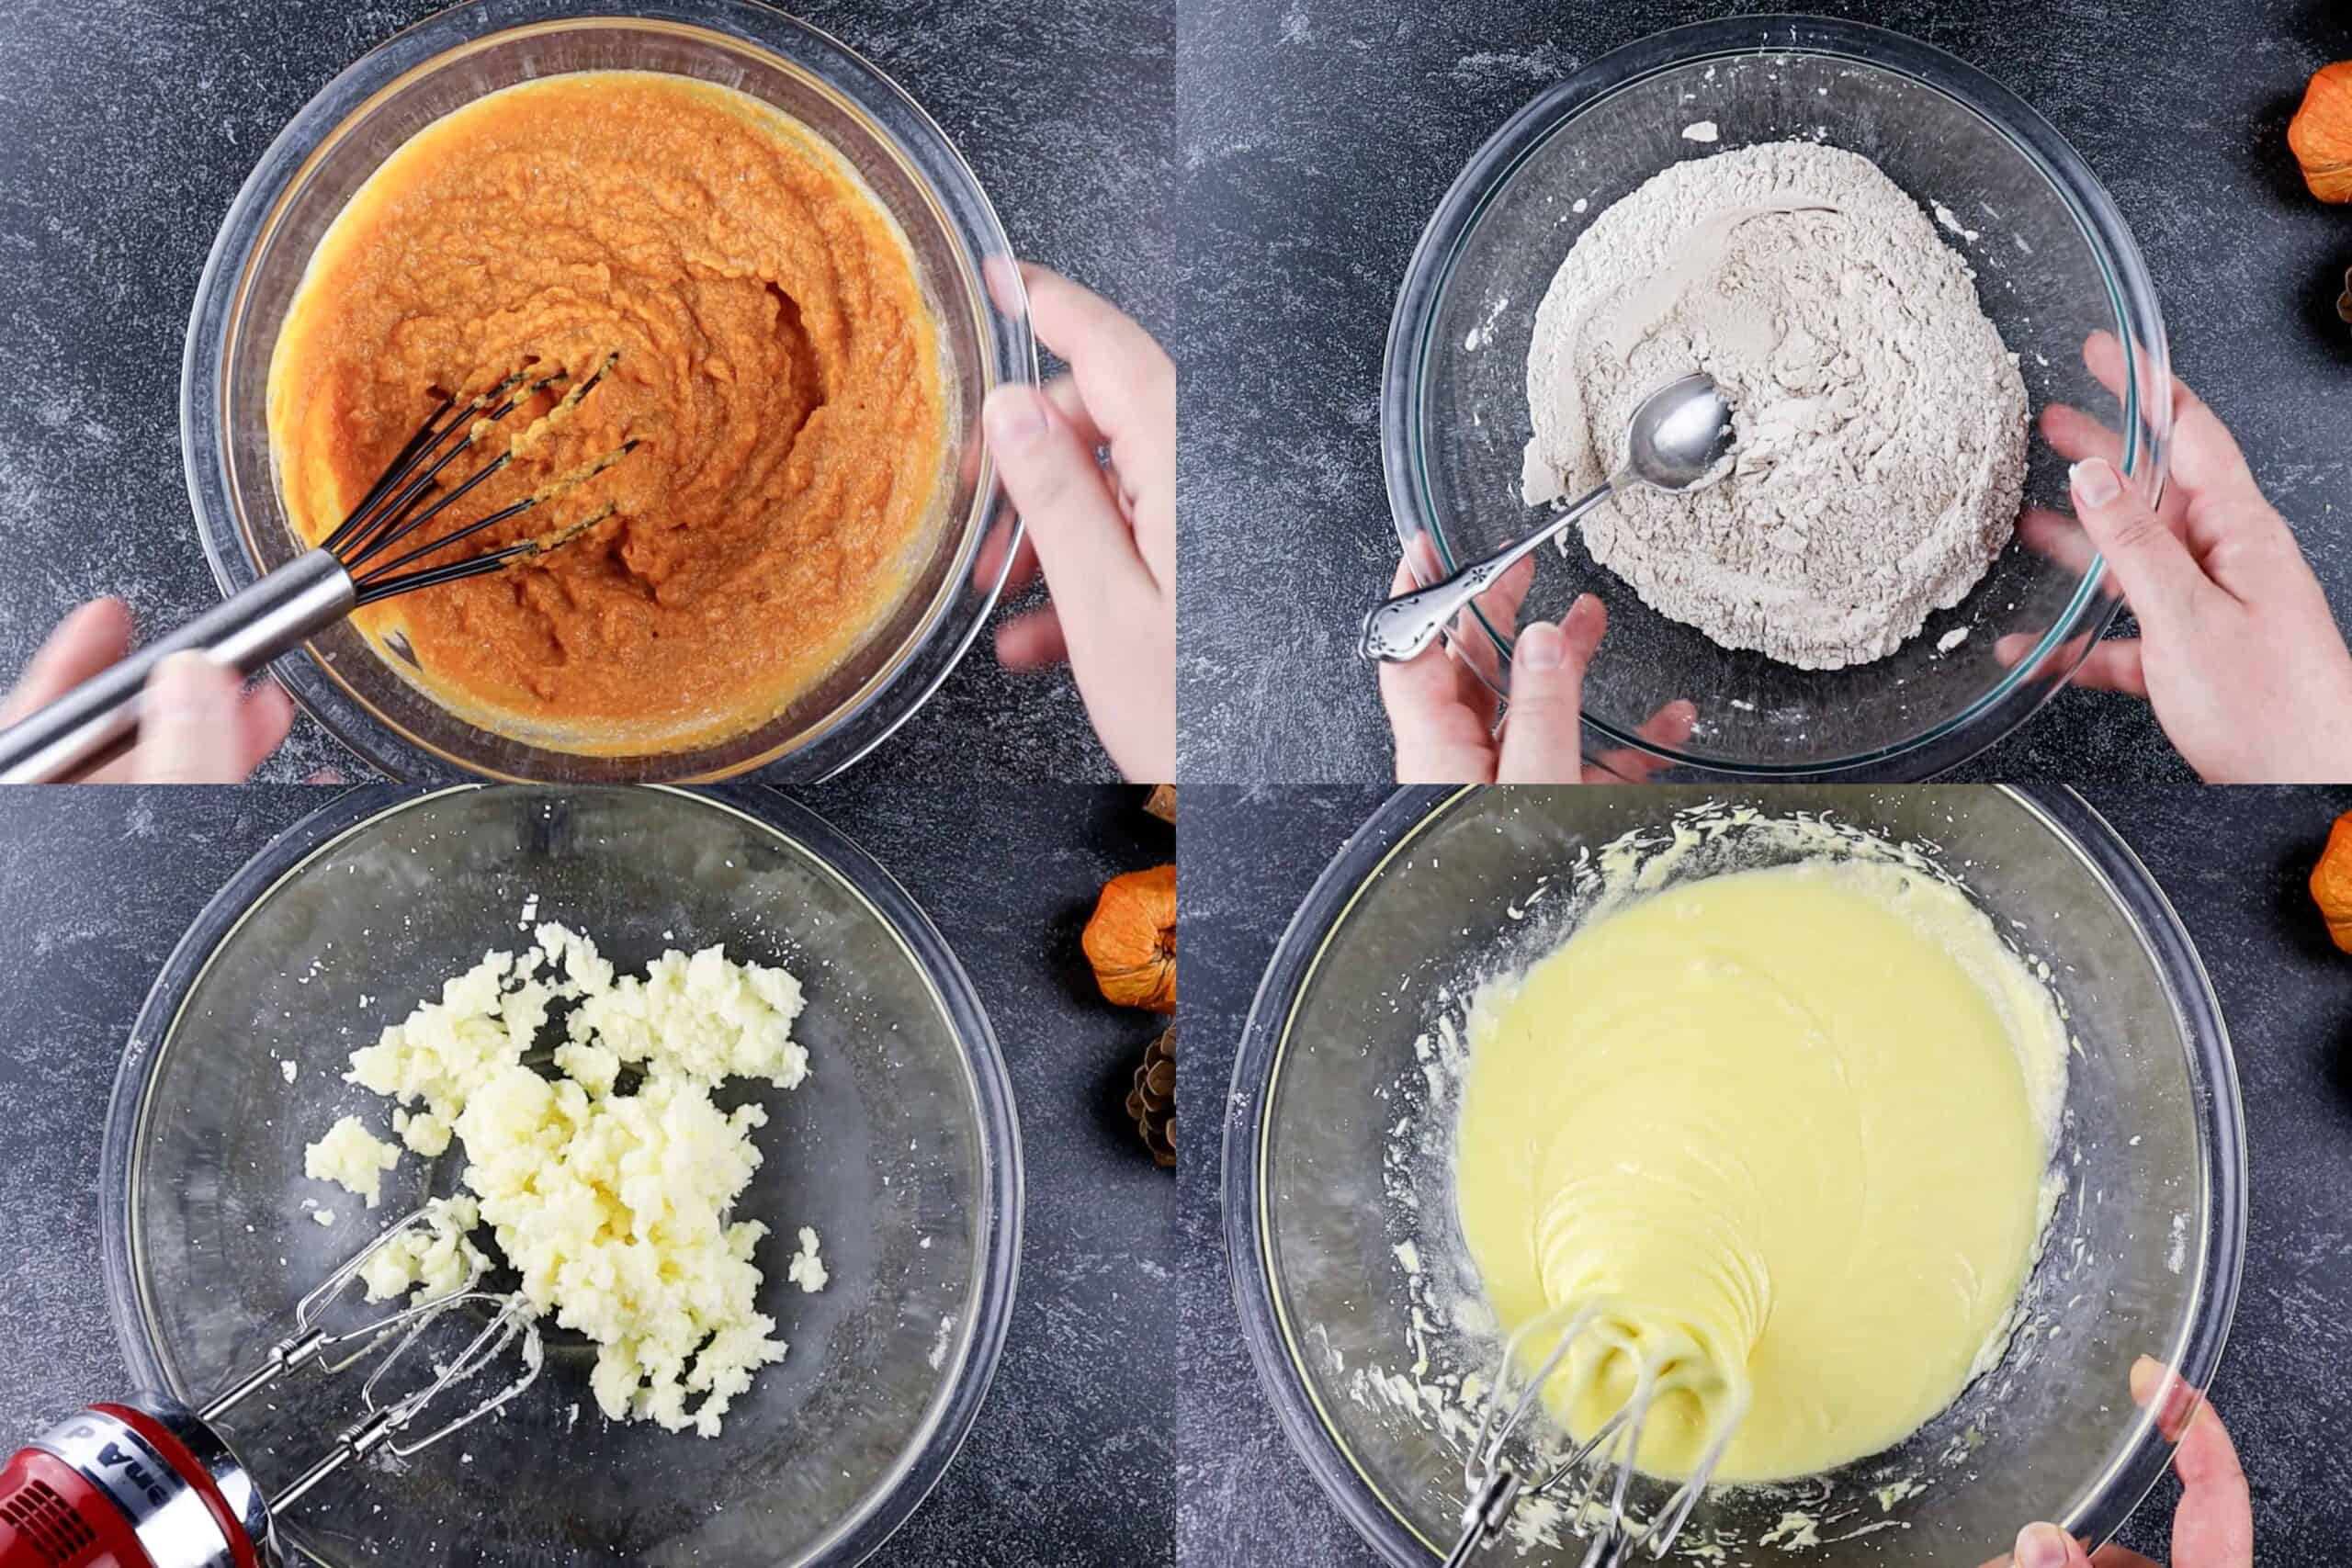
column 126, row 127
column 1316, row 140
column 1071, row 1459
column 2234, row 862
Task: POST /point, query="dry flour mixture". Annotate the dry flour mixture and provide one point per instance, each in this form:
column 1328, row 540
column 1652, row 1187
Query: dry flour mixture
column 1881, row 422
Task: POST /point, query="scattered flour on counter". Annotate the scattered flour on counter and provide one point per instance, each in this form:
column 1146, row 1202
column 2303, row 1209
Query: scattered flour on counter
column 1881, row 420
column 1701, row 130
column 1951, row 640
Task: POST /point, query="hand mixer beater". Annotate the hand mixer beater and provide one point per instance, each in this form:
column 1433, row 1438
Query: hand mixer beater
column 355, row 566
column 151, row 1483
column 1595, row 1475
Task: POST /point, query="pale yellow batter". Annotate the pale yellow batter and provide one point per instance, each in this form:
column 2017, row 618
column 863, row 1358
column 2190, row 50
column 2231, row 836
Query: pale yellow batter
column 1784, row 1132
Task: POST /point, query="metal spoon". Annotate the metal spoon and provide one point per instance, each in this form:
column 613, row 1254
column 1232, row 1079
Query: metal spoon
column 1680, row 433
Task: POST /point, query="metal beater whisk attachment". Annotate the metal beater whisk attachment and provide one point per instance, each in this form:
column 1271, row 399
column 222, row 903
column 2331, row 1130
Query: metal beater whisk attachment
column 511, row 1323
column 511, row 1327
column 1594, row 1476
column 359, row 564
column 157, row 1484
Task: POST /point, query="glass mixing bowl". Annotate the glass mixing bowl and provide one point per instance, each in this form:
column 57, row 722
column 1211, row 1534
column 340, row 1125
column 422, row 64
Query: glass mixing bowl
column 362, row 116
column 2054, row 262
column 900, row 1149
column 2142, row 1257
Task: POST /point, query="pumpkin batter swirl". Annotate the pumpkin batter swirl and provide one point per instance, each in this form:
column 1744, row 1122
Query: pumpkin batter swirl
column 779, row 368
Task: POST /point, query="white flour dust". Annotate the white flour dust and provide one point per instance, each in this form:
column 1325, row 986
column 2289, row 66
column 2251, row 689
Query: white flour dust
column 1881, row 422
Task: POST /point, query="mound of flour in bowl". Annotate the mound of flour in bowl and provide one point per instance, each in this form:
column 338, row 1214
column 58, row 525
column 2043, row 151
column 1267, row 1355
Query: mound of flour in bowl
column 1881, row 422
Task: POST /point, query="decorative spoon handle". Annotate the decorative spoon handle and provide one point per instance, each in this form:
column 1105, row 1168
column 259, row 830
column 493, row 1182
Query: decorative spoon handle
column 1410, row 622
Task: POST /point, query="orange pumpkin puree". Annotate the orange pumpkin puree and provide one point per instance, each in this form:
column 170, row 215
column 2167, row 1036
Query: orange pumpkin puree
column 778, row 367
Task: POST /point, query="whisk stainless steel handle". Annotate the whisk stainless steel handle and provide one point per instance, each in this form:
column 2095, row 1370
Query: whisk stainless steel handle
column 357, row 565
column 243, row 633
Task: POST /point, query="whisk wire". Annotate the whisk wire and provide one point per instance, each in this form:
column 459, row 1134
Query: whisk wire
column 375, row 588
column 405, row 456
column 387, row 515
column 571, row 480
column 387, row 537
column 387, row 1417
column 431, row 434
column 394, row 522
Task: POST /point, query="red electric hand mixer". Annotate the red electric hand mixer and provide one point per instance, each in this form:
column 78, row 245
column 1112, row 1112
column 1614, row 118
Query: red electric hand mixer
column 154, row 1484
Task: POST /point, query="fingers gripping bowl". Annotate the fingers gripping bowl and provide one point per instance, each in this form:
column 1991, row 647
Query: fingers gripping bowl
column 899, row 1148
column 381, row 692
column 2054, row 264
column 1360, row 1344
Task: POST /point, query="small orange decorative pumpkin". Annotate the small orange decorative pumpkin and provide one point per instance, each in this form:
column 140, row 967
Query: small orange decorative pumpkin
column 2320, row 132
column 1131, row 941
column 2332, row 883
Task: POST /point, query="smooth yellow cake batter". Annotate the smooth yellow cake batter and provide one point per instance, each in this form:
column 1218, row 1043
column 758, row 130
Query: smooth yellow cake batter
column 1784, row 1131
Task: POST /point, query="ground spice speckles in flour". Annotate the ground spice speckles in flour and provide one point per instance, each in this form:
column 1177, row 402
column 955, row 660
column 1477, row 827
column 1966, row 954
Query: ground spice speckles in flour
column 1881, row 420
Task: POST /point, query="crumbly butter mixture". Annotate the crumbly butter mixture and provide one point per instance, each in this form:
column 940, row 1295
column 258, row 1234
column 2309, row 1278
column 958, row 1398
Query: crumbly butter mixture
column 353, row 1158
column 608, row 1185
column 435, row 1260
column 1881, row 422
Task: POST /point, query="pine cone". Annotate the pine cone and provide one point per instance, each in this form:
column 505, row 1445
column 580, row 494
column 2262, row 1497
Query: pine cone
column 1152, row 1102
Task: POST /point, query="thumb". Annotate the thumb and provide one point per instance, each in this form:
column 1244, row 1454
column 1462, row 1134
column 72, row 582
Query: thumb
column 2213, row 1525
column 1082, row 542
column 1542, row 733
column 2047, row 1546
column 2154, row 569
column 189, row 726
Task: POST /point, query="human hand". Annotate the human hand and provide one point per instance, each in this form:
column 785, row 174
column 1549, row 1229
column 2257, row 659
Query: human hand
column 1444, row 714
column 195, row 727
column 2238, row 652
column 2213, row 1526
column 1105, row 536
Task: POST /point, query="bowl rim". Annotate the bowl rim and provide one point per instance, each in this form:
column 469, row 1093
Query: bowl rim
column 998, row 1224
column 965, row 600
column 2103, row 1503
column 2031, row 680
